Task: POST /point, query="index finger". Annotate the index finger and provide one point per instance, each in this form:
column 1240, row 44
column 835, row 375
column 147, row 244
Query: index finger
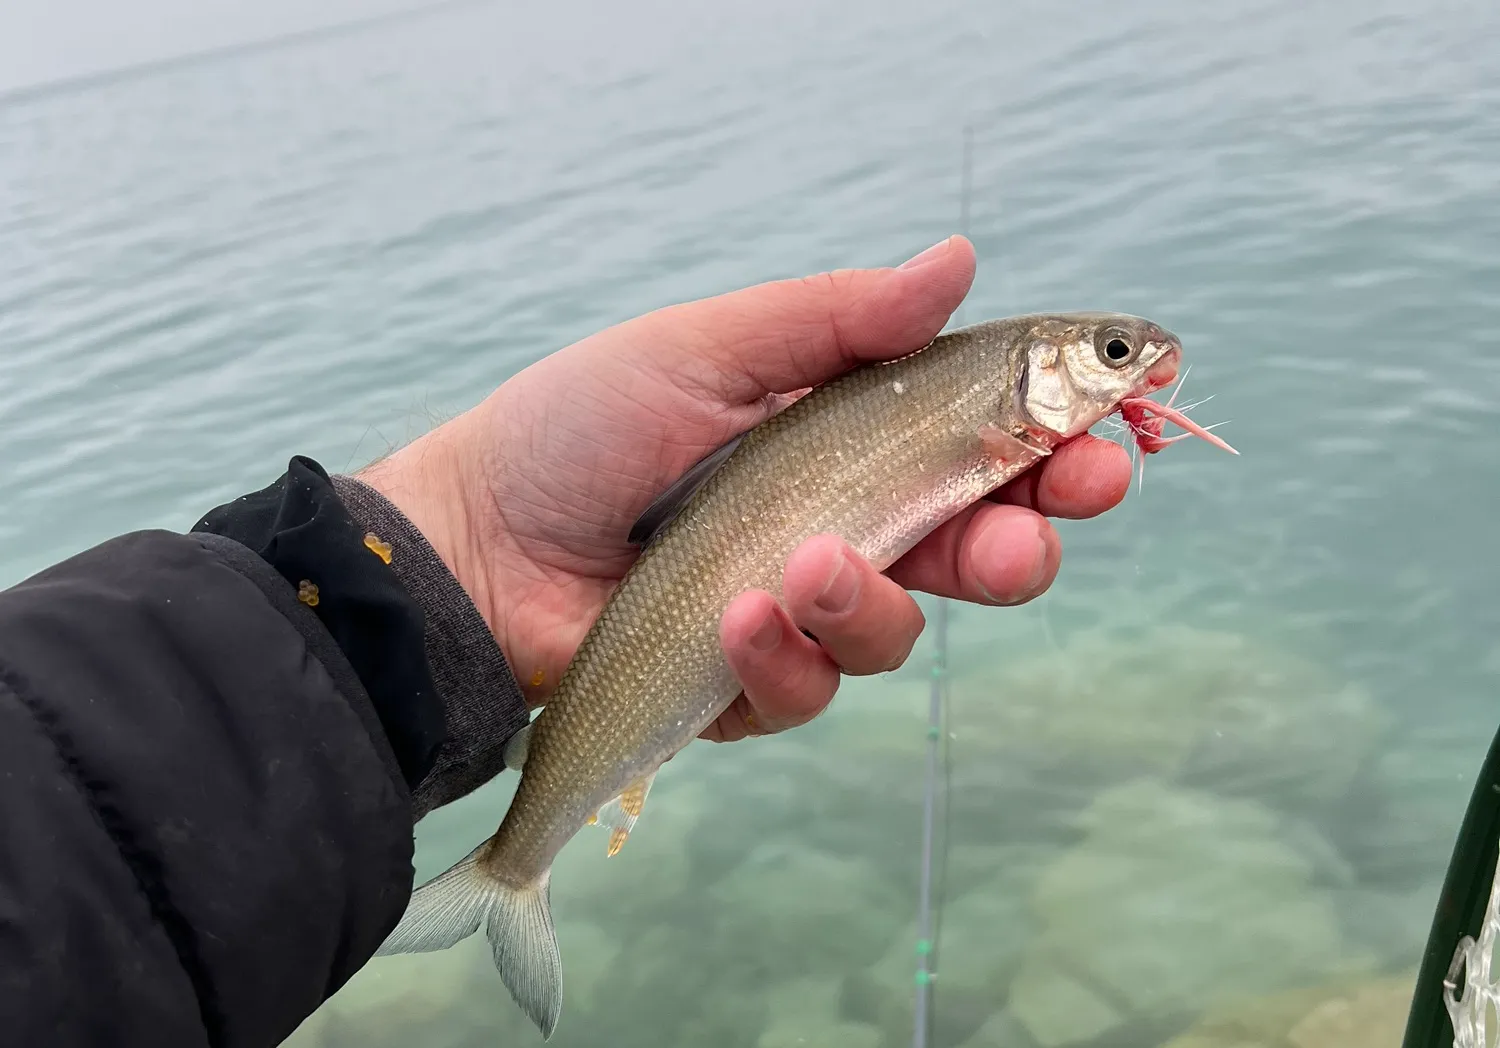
column 1085, row 477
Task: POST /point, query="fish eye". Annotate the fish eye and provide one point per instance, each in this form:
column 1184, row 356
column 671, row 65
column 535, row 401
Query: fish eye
column 1115, row 348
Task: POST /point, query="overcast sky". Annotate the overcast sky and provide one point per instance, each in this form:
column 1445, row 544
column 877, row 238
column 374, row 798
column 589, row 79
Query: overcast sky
column 46, row 40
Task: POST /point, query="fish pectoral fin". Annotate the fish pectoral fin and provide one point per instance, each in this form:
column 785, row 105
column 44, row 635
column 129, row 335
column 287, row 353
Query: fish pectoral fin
column 665, row 507
column 1004, row 447
column 619, row 814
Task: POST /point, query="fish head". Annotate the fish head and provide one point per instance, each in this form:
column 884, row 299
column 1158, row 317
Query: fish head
column 1077, row 367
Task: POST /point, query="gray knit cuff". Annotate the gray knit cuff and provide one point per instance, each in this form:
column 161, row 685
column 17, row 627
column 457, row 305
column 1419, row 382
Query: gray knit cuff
column 481, row 699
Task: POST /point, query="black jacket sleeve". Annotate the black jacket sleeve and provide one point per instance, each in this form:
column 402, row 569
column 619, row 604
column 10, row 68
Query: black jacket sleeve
column 209, row 748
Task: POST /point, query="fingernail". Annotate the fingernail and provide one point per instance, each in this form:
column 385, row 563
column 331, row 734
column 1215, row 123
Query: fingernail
column 1039, row 575
column 842, row 587
column 768, row 635
column 759, row 725
column 932, row 254
column 897, row 662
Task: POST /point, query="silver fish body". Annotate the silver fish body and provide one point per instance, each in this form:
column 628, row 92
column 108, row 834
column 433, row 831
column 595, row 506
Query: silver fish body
column 880, row 457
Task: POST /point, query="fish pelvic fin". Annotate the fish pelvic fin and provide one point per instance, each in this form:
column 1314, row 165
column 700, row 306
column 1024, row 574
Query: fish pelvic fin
column 513, row 755
column 518, row 923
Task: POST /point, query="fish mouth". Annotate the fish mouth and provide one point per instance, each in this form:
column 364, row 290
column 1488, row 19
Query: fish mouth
column 1160, row 374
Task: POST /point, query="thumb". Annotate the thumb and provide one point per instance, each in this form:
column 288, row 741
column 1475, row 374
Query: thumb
column 790, row 334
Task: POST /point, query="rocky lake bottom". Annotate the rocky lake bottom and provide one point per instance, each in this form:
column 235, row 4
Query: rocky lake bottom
column 1174, row 836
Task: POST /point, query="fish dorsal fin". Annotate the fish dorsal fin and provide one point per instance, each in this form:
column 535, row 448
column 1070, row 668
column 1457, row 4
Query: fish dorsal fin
column 665, row 507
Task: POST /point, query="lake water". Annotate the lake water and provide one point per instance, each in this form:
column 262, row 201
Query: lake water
column 1223, row 759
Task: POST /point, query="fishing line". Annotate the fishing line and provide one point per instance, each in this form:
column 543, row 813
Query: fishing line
column 939, row 750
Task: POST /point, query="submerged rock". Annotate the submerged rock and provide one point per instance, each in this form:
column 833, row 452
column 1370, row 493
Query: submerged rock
column 1360, row 1014
column 649, row 874
column 1392, row 926
column 730, row 1016
column 1008, row 870
column 1056, row 1008
column 794, row 1034
column 982, row 938
column 806, row 1012
column 766, row 898
column 448, row 999
column 791, row 909
column 805, row 1000
column 590, row 957
column 1400, row 829
column 1001, row 1030
column 666, row 982
column 1208, row 709
column 1173, row 900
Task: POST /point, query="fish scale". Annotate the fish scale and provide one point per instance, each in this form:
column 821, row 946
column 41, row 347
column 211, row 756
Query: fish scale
column 880, row 457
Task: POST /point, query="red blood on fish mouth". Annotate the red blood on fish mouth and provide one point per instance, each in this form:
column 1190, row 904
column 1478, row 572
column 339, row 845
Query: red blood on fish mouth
column 1161, row 374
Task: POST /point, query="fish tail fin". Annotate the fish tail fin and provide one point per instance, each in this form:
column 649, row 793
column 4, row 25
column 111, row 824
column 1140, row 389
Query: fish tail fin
column 524, row 945
column 518, row 922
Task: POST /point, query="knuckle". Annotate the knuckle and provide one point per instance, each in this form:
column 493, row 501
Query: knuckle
column 833, row 283
column 776, row 673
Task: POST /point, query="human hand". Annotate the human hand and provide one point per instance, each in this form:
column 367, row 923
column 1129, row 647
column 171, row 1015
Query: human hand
column 529, row 496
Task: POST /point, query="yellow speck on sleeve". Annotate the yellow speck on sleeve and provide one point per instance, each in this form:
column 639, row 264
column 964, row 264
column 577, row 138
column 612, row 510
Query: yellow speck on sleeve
column 307, row 593
column 380, row 549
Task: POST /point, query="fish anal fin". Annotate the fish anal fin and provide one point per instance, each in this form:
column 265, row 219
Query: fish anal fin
column 634, row 799
column 620, row 813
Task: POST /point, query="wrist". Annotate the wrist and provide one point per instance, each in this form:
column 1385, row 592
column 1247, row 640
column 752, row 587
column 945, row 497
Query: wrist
column 425, row 483
column 482, row 700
